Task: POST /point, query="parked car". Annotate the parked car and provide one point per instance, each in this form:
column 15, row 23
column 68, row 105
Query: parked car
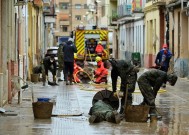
column 53, row 51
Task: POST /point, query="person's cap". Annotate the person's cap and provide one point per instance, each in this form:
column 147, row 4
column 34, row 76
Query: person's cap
column 71, row 39
column 164, row 46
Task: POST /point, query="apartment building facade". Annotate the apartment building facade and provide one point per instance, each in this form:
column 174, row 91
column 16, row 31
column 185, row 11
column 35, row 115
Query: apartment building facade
column 70, row 14
column 155, row 29
column 131, row 29
column 178, row 11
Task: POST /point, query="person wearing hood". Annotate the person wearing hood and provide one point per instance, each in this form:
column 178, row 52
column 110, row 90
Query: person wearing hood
column 69, row 49
column 99, row 50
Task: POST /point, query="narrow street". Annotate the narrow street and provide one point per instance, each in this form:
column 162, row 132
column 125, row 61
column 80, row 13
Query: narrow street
column 71, row 106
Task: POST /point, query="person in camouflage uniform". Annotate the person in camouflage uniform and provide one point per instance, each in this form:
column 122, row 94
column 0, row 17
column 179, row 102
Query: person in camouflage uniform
column 128, row 74
column 149, row 84
column 60, row 62
column 102, row 111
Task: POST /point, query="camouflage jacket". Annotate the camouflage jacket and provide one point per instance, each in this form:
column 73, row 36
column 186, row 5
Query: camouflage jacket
column 154, row 77
column 60, row 54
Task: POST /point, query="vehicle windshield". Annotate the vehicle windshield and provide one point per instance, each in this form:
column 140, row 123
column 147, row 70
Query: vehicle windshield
column 52, row 51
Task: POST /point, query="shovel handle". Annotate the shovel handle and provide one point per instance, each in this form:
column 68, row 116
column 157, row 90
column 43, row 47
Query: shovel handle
column 126, row 93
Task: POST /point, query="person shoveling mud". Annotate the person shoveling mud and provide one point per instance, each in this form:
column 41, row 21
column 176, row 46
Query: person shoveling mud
column 149, row 84
column 128, row 74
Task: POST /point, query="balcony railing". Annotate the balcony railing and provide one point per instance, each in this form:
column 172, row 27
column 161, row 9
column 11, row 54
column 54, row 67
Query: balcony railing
column 46, row 9
column 125, row 9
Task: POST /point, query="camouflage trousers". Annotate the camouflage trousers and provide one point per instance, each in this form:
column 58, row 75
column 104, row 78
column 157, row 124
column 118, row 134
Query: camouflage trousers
column 147, row 91
column 45, row 73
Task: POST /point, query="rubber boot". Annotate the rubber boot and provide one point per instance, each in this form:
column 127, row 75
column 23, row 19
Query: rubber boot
column 43, row 83
column 54, row 80
column 71, row 79
column 153, row 111
column 96, row 118
column 113, row 117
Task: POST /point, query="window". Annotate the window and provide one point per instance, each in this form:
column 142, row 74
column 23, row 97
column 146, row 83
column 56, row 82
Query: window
column 64, row 28
column 85, row 6
column 78, row 6
column 103, row 10
column 78, row 17
column 64, row 5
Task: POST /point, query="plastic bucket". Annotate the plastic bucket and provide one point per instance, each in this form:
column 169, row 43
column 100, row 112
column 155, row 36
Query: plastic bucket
column 137, row 113
column 43, row 99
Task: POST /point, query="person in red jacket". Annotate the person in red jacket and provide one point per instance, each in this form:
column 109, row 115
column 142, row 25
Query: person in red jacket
column 100, row 49
column 101, row 72
column 76, row 70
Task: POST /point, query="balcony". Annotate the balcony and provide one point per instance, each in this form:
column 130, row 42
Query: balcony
column 64, row 22
column 46, row 2
column 46, row 9
column 125, row 10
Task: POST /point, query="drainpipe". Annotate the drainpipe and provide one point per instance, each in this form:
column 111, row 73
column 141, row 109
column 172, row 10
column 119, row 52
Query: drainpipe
column 1, row 89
